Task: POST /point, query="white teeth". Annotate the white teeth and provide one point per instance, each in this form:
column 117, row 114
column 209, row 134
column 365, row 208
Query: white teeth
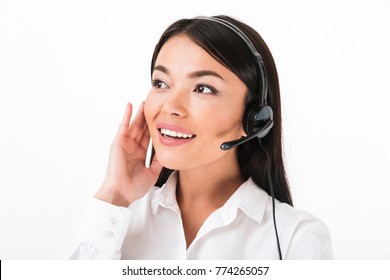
column 172, row 133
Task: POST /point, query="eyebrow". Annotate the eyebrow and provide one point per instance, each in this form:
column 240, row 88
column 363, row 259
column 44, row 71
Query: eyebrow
column 193, row 75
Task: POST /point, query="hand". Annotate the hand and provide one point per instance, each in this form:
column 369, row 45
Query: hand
column 127, row 178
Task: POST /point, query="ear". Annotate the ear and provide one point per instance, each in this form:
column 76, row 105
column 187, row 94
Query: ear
column 242, row 132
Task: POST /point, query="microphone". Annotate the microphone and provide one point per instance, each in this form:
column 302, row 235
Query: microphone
column 259, row 134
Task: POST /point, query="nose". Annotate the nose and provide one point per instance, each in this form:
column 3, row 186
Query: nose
column 176, row 103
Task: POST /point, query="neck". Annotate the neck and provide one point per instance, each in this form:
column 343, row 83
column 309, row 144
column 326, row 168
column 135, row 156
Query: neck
column 209, row 186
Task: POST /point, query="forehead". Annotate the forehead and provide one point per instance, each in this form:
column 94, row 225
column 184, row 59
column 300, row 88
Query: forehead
column 181, row 49
column 180, row 54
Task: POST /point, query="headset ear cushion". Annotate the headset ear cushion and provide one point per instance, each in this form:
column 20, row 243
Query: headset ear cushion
column 256, row 118
column 249, row 117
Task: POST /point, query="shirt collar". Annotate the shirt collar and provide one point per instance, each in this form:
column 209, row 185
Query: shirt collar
column 249, row 198
column 252, row 200
column 167, row 197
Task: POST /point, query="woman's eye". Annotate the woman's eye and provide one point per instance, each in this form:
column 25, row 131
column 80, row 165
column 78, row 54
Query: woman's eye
column 159, row 84
column 205, row 89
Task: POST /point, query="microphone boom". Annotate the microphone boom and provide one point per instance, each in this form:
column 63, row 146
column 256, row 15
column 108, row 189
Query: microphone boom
column 259, row 134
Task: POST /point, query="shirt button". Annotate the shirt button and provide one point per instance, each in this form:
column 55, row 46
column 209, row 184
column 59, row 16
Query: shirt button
column 114, row 221
column 109, row 234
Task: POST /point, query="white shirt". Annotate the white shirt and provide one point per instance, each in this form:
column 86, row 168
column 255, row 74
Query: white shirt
column 151, row 228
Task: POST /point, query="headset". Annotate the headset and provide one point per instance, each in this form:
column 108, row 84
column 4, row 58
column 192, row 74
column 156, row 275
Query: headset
column 258, row 117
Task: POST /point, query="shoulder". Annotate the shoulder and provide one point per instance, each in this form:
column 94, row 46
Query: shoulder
column 306, row 236
column 286, row 215
column 293, row 216
column 302, row 235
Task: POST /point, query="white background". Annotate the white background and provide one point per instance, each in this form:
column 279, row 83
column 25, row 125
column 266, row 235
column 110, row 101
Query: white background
column 67, row 69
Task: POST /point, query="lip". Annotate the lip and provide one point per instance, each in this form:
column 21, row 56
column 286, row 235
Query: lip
column 167, row 141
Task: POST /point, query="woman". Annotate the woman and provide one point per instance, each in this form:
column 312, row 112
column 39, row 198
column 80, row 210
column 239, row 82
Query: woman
column 213, row 81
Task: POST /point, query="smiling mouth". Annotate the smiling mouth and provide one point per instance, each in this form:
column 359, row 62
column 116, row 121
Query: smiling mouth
column 174, row 134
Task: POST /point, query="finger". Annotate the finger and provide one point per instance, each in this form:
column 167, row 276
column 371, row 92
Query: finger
column 124, row 125
column 155, row 167
column 137, row 126
column 145, row 139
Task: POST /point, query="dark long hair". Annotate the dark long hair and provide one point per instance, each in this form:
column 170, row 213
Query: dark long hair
column 232, row 52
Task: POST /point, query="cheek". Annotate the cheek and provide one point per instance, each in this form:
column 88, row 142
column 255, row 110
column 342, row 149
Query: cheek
column 224, row 123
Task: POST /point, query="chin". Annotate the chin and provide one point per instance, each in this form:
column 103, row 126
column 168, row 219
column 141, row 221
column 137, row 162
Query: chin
column 171, row 160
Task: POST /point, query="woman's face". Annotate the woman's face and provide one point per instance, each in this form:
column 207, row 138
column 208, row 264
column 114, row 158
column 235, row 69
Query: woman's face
column 195, row 104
